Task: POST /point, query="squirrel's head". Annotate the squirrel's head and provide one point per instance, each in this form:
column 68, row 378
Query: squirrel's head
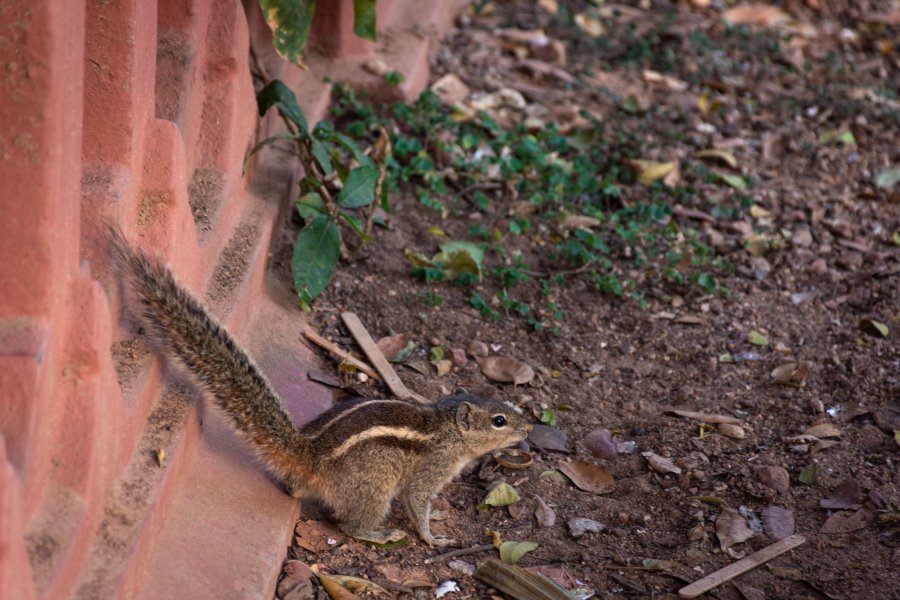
column 484, row 424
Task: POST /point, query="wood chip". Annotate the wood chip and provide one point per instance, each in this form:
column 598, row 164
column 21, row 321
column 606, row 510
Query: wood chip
column 713, row 580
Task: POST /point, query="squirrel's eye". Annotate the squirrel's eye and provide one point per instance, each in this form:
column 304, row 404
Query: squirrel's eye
column 498, row 420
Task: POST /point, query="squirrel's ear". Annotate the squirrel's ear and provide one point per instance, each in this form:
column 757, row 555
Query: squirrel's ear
column 464, row 416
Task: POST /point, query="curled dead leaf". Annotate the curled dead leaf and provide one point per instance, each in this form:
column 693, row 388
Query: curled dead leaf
column 513, row 458
column 731, row 430
column 505, row 369
column 791, row 373
column 823, row 430
column 732, row 528
column 773, row 477
column 588, row 477
column 661, row 464
column 545, row 515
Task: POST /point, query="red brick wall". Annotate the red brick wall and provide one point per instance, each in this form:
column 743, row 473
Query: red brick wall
column 138, row 113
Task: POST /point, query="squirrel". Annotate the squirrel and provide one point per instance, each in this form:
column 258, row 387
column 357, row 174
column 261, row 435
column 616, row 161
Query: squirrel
column 357, row 456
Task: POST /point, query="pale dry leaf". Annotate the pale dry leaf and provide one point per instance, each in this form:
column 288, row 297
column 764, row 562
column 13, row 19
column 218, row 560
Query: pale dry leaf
column 442, row 366
column 588, row 477
column 704, row 417
column 590, row 24
column 732, row 528
column 477, row 348
column 392, row 345
column 450, row 89
column 778, row 522
column 376, row 66
column 846, row 494
column 846, row 521
column 756, row 13
column 823, row 430
column 661, row 464
column 505, row 369
column 545, row 515
column 731, row 430
column 791, row 373
column 724, row 156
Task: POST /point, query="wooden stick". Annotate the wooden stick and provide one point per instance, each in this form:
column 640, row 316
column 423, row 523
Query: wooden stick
column 374, row 354
column 339, row 352
column 701, row 586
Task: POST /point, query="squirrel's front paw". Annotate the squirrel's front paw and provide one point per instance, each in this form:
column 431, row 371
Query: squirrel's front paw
column 439, row 541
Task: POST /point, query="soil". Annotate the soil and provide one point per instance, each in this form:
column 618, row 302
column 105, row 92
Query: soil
column 617, row 366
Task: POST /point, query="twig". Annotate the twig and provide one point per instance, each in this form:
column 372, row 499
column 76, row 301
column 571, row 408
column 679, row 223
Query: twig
column 339, row 352
column 701, row 586
column 461, row 552
column 373, row 353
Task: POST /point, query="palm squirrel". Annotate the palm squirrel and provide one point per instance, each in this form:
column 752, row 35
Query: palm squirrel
column 356, row 456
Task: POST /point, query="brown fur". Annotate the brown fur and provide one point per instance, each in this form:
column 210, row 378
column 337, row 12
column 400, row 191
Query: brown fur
column 357, row 456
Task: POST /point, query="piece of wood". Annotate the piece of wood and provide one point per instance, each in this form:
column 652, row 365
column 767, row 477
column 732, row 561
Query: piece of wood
column 339, row 352
column 456, row 553
column 519, row 583
column 374, row 354
column 701, row 586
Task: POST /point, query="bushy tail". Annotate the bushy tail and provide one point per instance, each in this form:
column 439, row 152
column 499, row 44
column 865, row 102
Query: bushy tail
column 214, row 360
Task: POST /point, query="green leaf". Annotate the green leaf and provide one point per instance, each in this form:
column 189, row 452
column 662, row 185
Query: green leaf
column 874, row 327
column 364, row 19
column 349, row 145
column 808, row 474
column 711, row 500
column 315, row 254
column 512, row 552
column 355, row 224
column 280, row 95
column 757, row 339
column 320, row 153
column 888, row 179
column 735, row 181
column 289, row 21
column 461, row 257
column 310, row 205
column 500, row 494
column 548, row 417
column 837, row 136
column 359, row 188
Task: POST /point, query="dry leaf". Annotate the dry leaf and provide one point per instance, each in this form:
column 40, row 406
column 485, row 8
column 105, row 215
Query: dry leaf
column 548, row 438
column 756, row 14
column 588, row 477
column 649, row 171
column 505, row 369
column 545, row 515
column 601, row 445
column 846, row 521
column 331, row 585
column 477, row 348
column 731, row 430
column 590, row 24
column 660, row 464
column 394, row 347
column 732, row 528
column 723, row 155
column 773, row 477
column 845, row 495
column 823, row 430
column 513, row 458
column 450, row 89
column 443, row 366
column 778, row 522
column 377, row 66
column 705, row 417
column 791, row 373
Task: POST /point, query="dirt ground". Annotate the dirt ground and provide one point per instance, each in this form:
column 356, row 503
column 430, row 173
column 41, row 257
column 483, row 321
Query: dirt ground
column 815, row 450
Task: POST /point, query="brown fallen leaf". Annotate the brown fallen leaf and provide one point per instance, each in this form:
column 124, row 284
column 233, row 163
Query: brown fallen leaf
column 392, row 346
column 731, row 430
column 332, row 586
column 823, row 430
column 845, row 495
column 661, row 464
column 756, row 13
column 773, row 477
column 316, row 535
column 732, row 528
column 778, row 522
column 601, row 445
column 846, row 521
column 548, row 438
column 505, row 369
column 705, row 417
column 588, row 477
column 791, row 373
column 545, row 515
